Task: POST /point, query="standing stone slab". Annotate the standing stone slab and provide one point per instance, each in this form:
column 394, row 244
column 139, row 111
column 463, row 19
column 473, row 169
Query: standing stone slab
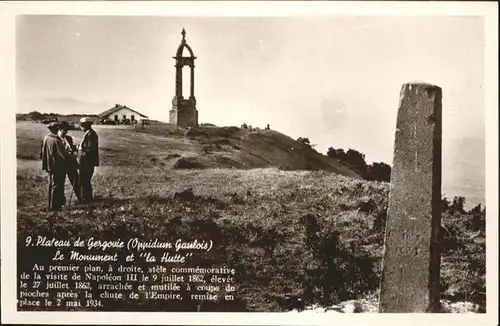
column 410, row 276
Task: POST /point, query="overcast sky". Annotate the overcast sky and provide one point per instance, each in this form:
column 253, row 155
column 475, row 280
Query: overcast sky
column 335, row 80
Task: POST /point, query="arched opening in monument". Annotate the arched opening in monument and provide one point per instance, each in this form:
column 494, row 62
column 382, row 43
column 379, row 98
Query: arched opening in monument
column 185, row 52
column 186, row 82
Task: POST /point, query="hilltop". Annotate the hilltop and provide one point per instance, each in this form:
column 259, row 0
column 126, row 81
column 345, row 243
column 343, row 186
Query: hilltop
column 169, row 146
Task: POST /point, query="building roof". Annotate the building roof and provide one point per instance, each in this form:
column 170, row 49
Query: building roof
column 116, row 108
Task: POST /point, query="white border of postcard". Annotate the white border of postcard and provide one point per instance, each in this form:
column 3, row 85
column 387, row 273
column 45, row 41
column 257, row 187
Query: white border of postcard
column 8, row 11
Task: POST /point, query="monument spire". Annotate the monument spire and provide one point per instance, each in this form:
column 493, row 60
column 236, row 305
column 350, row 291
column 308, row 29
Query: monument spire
column 183, row 112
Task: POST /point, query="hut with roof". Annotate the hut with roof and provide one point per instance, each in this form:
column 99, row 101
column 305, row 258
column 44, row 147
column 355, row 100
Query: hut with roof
column 121, row 114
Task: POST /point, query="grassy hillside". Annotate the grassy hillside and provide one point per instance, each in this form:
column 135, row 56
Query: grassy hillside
column 316, row 235
column 167, row 146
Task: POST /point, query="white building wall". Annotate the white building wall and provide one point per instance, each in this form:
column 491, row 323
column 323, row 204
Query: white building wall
column 124, row 112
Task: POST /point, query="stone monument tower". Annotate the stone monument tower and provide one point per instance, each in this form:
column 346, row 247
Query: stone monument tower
column 184, row 111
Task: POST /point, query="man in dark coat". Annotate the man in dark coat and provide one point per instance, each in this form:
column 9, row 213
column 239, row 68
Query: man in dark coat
column 88, row 157
column 54, row 160
column 72, row 166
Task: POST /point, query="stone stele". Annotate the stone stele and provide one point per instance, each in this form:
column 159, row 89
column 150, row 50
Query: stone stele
column 411, row 266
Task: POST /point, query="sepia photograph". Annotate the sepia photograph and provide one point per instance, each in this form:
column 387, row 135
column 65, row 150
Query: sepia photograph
column 308, row 165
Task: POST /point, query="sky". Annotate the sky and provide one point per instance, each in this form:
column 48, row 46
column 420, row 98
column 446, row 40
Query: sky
column 334, row 80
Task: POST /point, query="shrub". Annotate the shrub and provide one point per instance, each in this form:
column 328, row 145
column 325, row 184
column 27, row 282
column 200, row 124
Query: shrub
column 339, row 271
column 188, row 163
column 367, row 205
column 464, row 252
column 458, row 205
column 304, row 141
column 212, row 132
column 378, row 171
column 478, row 219
column 171, row 156
column 207, row 149
column 380, row 220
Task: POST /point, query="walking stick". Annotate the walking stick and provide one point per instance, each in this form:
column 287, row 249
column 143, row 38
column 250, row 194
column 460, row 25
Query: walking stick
column 72, row 191
column 73, row 186
column 50, row 217
column 77, row 176
column 50, row 197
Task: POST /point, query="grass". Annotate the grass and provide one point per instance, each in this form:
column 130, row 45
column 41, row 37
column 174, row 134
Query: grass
column 166, row 146
column 277, row 228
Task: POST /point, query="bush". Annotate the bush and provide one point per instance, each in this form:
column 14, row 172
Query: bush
column 339, row 271
column 458, row 205
column 380, row 220
column 463, row 252
column 188, row 163
column 207, row 149
column 478, row 219
column 378, row 171
column 173, row 155
column 303, row 141
column 212, row 132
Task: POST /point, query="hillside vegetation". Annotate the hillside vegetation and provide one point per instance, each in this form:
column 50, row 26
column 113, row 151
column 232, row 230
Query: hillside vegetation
column 168, row 146
column 37, row 117
column 313, row 235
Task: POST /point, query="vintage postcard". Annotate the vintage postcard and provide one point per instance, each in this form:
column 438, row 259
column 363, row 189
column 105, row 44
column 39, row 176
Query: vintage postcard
column 249, row 162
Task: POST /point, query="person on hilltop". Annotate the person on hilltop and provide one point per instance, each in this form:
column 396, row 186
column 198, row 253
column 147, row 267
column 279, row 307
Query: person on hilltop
column 71, row 166
column 54, row 160
column 88, row 158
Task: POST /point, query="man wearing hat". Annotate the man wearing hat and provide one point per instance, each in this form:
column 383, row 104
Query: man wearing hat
column 88, row 157
column 54, row 161
column 71, row 166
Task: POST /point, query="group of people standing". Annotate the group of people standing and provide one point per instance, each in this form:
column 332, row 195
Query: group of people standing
column 61, row 157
